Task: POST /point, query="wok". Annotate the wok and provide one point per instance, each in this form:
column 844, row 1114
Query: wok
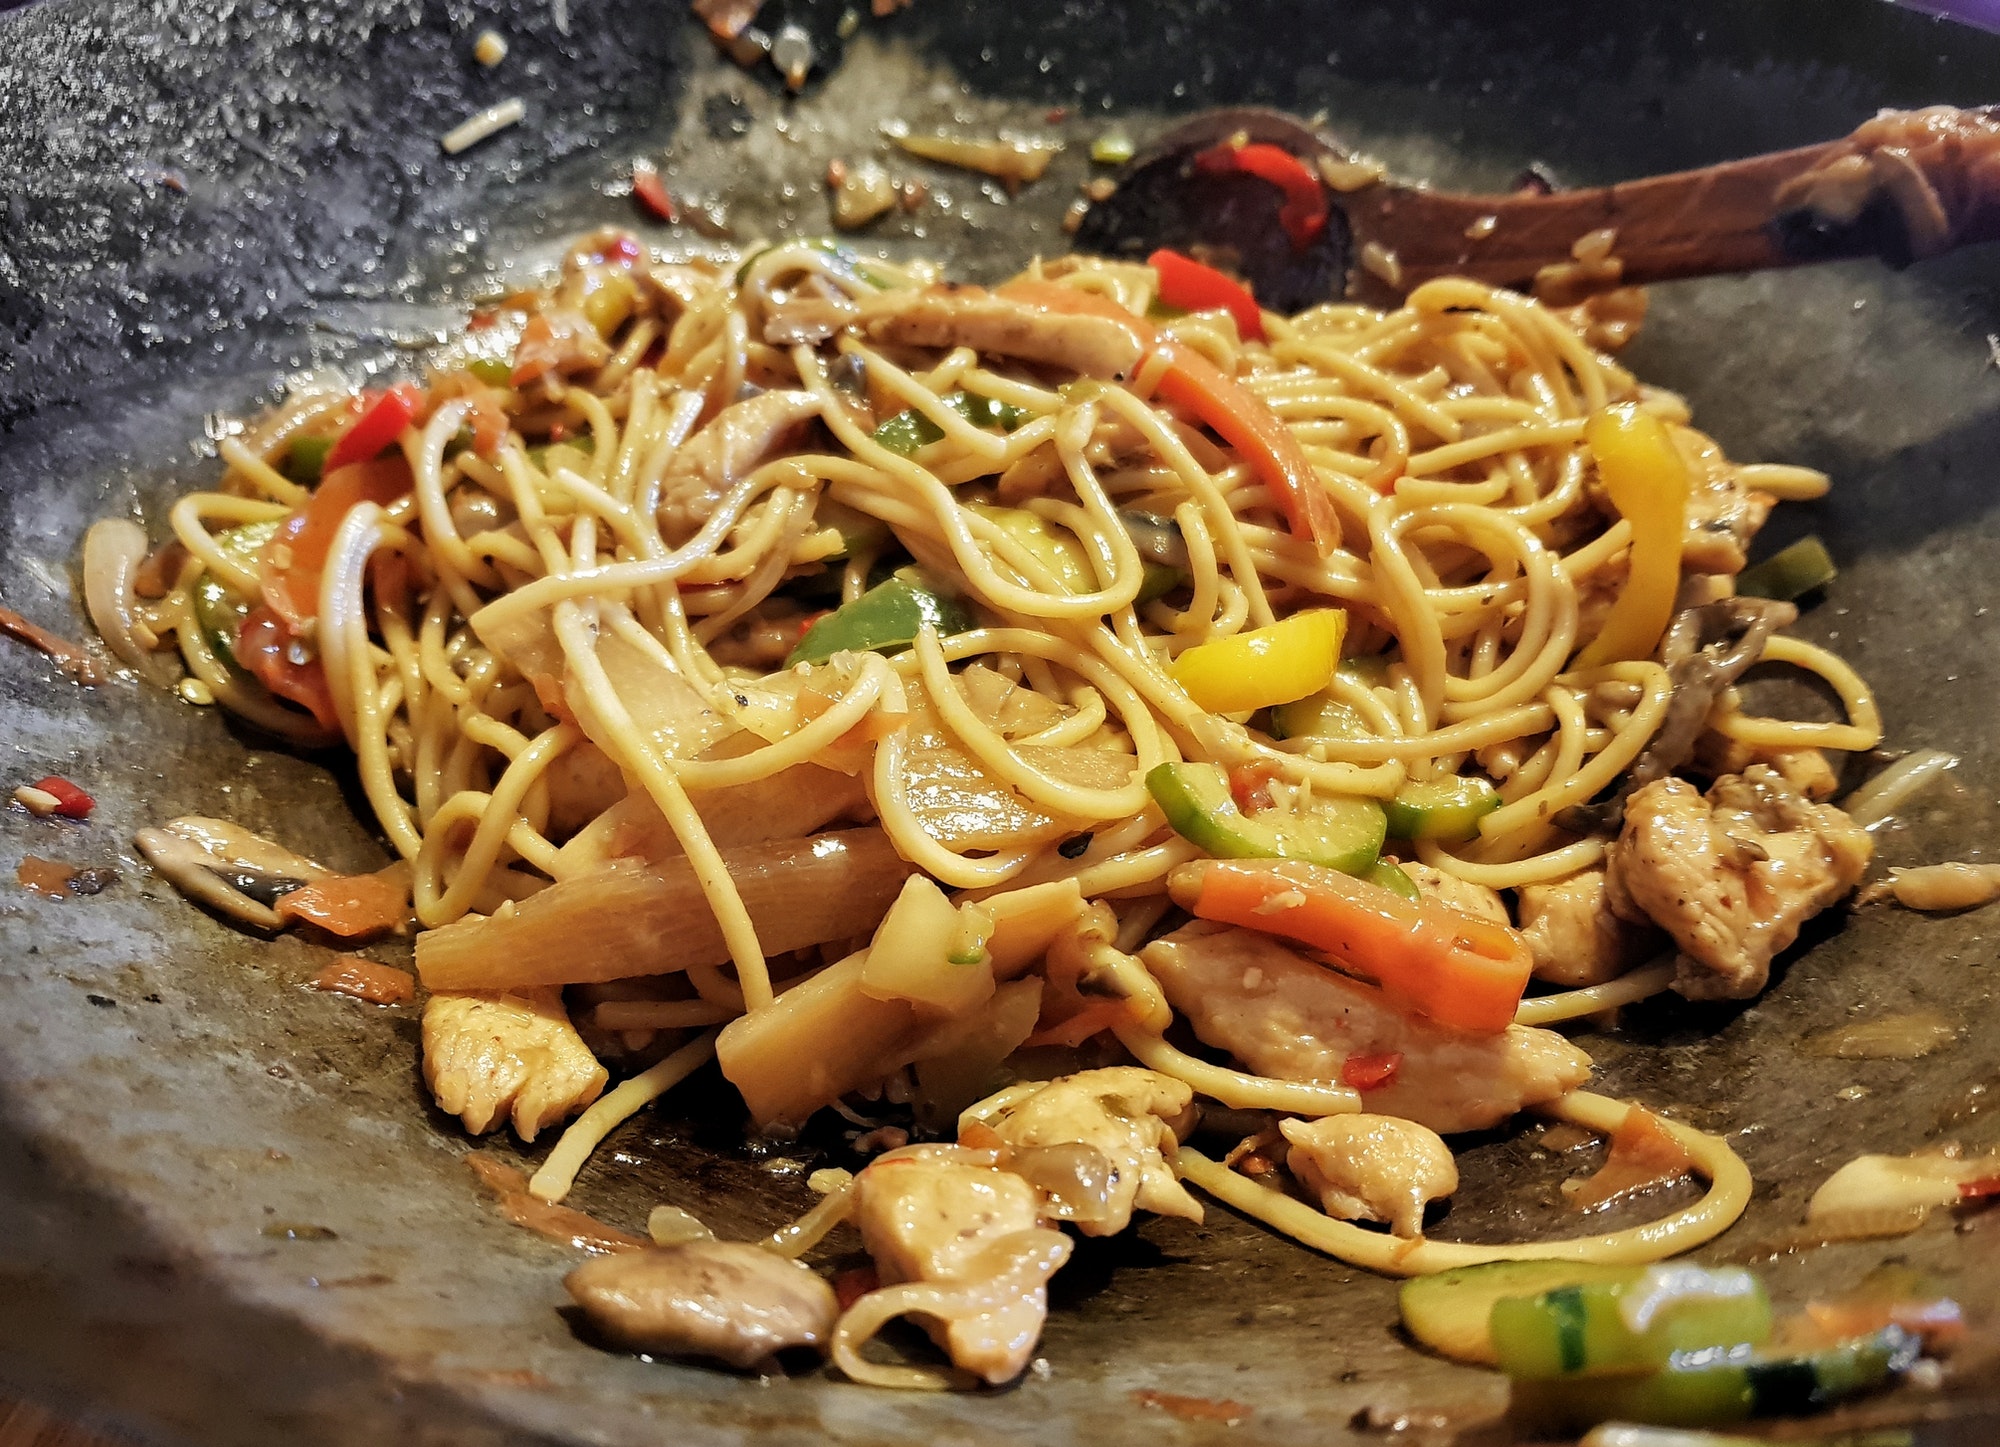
column 228, row 1212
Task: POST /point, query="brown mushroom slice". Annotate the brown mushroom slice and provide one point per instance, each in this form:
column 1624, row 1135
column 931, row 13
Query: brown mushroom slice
column 728, row 1300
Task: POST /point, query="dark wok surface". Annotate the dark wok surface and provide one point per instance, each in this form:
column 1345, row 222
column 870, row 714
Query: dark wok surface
column 197, row 198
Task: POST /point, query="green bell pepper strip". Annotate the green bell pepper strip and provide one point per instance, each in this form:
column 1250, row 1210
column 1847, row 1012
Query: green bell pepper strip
column 1634, row 1323
column 493, row 371
column 885, row 619
column 1715, row 1387
column 219, row 610
column 1342, row 834
column 1791, row 572
column 907, row 431
column 1445, row 809
column 305, row 459
column 1388, row 874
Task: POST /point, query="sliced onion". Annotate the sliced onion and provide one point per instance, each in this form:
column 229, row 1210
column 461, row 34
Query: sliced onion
column 113, row 549
column 1878, row 800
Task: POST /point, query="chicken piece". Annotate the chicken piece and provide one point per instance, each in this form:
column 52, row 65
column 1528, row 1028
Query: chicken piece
column 1371, row 1167
column 730, row 1300
column 952, row 315
column 1284, row 1016
column 932, row 1214
column 1807, row 770
column 1722, row 514
column 1129, row 1115
column 1731, row 876
column 1455, row 893
column 1576, row 937
column 725, row 452
column 486, row 1055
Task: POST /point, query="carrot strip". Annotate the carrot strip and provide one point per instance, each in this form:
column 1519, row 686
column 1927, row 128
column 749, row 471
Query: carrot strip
column 290, row 564
column 1463, row 972
column 350, row 905
column 1267, row 444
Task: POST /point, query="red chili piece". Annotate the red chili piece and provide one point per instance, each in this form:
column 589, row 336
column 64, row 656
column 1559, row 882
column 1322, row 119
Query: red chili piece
column 1187, row 284
column 71, row 802
column 1370, row 1072
column 383, row 417
column 1304, row 213
column 651, row 192
column 1250, row 787
column 263, row 647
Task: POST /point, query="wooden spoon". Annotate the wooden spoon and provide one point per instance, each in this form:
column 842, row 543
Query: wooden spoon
column 1903, row 186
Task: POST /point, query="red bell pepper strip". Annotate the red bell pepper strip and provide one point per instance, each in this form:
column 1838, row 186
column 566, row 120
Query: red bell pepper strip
column 71, row 802
column 1267, row 444
column 1371, row 1072
column 290, row 564
column 651, row 192
column 1187, row 284
column 264, row 648
column 383, row 417
column 1303, row 214
column 1463, row 972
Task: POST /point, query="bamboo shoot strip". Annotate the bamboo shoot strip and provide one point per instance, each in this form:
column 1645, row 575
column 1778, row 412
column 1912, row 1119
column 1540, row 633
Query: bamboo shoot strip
column 627, row 920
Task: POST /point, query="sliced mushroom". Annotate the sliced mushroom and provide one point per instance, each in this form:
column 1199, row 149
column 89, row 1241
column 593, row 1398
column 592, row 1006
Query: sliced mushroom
column 729, row 1300
column 226, row 867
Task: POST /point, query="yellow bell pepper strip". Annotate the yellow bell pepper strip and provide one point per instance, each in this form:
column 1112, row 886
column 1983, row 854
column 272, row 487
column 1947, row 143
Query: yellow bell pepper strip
column 1465, row 973
column 1279, row 664
column 1648, row 484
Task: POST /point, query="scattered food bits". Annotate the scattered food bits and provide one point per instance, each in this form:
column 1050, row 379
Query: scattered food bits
column 1595, row 245
column 1103, row 188
column 727, row 19
column 850, row 22
column 36, row 802
column 45, row 877
column 1015, row 163
column 792, row 53
column 196, row 692
column 1055, row 115
column 881, row 9
column 912, row 194
column 1072, row 221
column 1354, row 173
column 1484, row 227
column 490, row 48
column 54, row 795
column 651, row 192
column 72, row 660
column 1114, row 148
column 862, row 193
column 485, row 124
column 749, row 47
column 366, row 980
column 1381, row 263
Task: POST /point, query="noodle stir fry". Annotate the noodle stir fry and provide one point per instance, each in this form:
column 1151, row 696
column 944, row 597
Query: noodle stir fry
column 886, row 688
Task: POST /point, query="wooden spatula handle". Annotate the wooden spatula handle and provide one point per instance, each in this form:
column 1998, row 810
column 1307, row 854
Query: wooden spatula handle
column 1905, row 185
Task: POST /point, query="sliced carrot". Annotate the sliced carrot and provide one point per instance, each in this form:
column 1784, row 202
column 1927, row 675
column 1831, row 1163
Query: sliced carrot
column 366, row 980
column 1254, row 430
column 290, row 565
column 351, row 905
column 1462, row 972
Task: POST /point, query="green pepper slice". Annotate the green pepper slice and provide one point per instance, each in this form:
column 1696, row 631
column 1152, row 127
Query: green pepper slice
column 1388, row 874
column 1343, row 834
column 907, row 431
column 219, row 610
column 1789, row 573
column 885, row 619
column 305, row 459
column 1445, row 809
